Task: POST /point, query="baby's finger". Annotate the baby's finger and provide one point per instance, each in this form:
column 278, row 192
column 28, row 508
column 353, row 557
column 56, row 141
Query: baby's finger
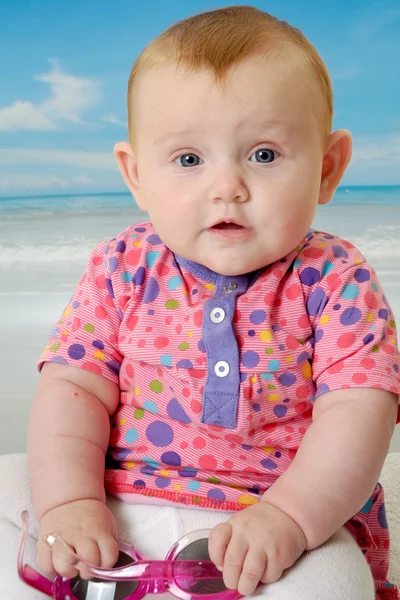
column 273, row 571
column 233, row 561
column 109, row 552
column 218, row 542
column 45, row 559
column 88, row 549
column 253, row 570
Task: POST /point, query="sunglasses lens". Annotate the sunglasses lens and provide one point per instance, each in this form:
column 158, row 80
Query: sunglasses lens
column 198, row 550
column 105, row 590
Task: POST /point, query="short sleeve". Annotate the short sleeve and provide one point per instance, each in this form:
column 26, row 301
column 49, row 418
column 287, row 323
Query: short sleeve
column 355, row 333
column 86, row 336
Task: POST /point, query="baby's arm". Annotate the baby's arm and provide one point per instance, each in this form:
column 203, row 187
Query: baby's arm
column 68, row 437
column 338, row 463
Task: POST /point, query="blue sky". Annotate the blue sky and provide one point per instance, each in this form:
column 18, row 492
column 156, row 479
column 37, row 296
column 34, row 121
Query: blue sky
column 65, row 67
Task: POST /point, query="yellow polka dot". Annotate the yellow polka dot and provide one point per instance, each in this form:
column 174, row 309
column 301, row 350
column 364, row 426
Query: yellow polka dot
column 65, row 332
column 130, row 464
column 324, row 319
column 235, row 486
column 122, row 421
column 393, row 340
column 273, row 397
column 288, row 359
column 67, row 311
column 246, row 499
column 266, row 335
column 268, row 449
column 137, row 244
column 99, row 355
column 210, row 286
column 177, row 487
column 253, row 379
column 306, row 369
column 322, row 245
column 137, row 391
column 164, row 472
column 185, row 292
column 370, row 317
column 190, row 334
column 358, row 261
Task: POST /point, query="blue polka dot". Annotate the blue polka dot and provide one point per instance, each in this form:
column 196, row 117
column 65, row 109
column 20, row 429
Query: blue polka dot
column 274, row 365
column 194, row 486
column 350, row 291
column 174, row 282
column 150, row 406
column 166, row 360
column 132, row 435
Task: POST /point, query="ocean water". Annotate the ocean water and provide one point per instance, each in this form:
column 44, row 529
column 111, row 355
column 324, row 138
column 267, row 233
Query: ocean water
column 48, row 230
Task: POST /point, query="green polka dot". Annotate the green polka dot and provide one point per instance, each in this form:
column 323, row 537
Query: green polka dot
column 89, row 328
column 139, row 413
column 213, row 480
column 375, row 349
column 156, row 386
column 55, row 347
column 183, row 346
column 269, row 350
column 271, row 387
column 392, row 323
column 274, row 365
column 172, row 304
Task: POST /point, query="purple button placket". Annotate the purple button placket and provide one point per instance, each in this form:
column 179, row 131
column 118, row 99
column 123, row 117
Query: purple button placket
column 221, row 391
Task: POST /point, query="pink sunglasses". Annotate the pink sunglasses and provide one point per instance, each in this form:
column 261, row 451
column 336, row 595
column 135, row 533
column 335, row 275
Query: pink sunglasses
column 183, row 573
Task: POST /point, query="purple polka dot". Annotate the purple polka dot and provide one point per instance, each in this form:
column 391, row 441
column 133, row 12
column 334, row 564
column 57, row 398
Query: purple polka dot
column 280, row 410
column 121, row 247
column 328, row 237
column 113, row 366
column 287, row 400
column 362, row 275
column 287, row 379
column 250, row 359
column 201, row 346
column 256, row 407
column 139, row 483
column 251, row 333
column 159, row 434
column 281, row 347
column 184, row 364
column 98, row 344
column 309, row 276
column 302, row 357
column 269, row 464
column 339, row 251
column 275, row 328
column 216, row 494
column 368, row 338
column 76, row 351
column 243, row 376
column 139, row 277
column 122, row 454
column 319, row 334
column 152, row 291
column 258, row 316
column 162, row 482
column 154, row 240
column 176, row 412
column 113, row 264
column 316, row 301
column 59, row 359
column 171, row 458
column 337, row 307
column 396, row 368
column 350, row 316
column 323, row 389
column 110, row 288
column 187, row 472
column 148, row 470
column 75, row 304
column 278, row 454
column 383, row 314
column 247, row 447
column 382, row 516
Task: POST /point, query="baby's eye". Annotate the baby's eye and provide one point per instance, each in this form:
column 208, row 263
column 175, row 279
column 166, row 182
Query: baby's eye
column 265, row 155
column 188, row 160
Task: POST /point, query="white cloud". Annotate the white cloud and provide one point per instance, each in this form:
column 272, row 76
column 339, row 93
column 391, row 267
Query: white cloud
column 90, row 160
column 375, row 160
column 114, row 121
column 69, row 98
column 43, row 182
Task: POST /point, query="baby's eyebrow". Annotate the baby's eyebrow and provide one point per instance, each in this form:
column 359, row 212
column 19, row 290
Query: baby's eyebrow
column 259, row 127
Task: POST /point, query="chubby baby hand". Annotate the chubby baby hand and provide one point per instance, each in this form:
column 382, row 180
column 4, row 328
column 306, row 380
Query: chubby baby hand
column 255, row 545
column 86, row 525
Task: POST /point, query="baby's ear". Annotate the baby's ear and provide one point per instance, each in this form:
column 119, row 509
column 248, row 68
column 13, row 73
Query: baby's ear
column 127, row 163
column 336, row 158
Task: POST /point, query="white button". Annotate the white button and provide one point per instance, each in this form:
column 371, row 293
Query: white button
column 217, row 315
column 221, row 369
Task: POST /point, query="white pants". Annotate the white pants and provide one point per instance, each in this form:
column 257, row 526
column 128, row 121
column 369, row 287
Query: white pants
column 337, row 570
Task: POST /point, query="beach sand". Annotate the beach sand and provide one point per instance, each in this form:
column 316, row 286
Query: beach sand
column 34, row 290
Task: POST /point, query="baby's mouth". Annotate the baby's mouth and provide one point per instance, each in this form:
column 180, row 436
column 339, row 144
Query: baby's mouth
column 225, row 225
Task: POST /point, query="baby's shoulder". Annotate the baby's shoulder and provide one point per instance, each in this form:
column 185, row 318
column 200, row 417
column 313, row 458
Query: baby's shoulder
column 324, row 255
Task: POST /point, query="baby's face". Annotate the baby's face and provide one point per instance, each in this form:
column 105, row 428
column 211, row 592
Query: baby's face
column 230, row 176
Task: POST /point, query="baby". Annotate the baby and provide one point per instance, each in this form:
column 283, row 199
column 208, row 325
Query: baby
column 222, row 359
